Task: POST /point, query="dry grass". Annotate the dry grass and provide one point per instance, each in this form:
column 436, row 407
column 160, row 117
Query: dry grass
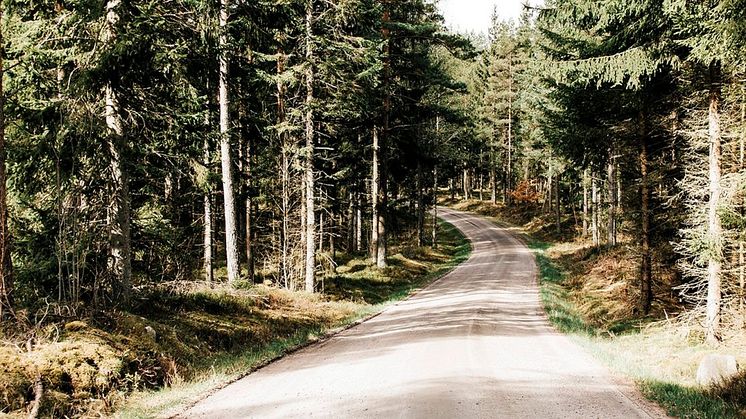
column 182, row 339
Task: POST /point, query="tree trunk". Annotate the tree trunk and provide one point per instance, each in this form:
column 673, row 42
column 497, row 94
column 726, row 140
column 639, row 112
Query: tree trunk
column 493, row 183
column 558, row 209
column 420, row 207
column 6, row 265
column 383, row 175
column 207, row 223
column 594, row 210
column 359, row 223
column 120, row 260
column 646, row 274
column 229, row 202
column 509, row 171
column 585, row 203
column 714, row 228
column 285, row 269
column 249, row 216
column 374, row 186
column 435, row 207
column 612, row 189
column 310, row 265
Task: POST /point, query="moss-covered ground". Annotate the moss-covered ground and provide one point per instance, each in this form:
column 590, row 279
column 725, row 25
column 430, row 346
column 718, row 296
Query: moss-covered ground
column 179, row 341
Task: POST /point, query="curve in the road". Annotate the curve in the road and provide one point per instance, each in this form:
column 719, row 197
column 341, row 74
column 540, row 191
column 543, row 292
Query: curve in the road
column 475, row 344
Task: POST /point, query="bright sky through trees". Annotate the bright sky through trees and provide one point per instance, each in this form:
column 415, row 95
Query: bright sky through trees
column 475, row 15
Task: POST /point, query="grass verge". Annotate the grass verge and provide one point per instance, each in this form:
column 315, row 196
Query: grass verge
column 660, row 356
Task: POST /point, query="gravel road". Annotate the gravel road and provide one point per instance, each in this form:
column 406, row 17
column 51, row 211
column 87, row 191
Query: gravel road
column 475, row 344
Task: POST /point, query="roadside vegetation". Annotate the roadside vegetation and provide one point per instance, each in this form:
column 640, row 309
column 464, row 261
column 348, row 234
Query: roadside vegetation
column 185, row 339
column 586, row 290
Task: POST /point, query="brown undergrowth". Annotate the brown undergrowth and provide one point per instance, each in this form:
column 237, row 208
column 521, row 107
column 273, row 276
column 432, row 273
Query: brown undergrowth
column 195, row 336
column 603, row 281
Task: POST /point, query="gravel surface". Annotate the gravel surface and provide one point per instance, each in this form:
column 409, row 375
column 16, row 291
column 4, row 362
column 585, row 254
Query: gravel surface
column 475, row 344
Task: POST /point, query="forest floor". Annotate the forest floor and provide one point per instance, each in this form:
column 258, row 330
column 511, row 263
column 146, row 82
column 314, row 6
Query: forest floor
column 590, row 294
column 182, row 341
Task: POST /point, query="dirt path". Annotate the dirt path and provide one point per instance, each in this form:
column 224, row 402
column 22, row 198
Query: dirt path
column 475, row 344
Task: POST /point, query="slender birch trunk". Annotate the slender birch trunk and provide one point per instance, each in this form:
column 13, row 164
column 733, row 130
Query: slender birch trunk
column 120, row 259
column 714, row 227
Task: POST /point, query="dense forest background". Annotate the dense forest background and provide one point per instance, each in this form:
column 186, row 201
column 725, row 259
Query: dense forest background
column 242, row 142
column 170, row 141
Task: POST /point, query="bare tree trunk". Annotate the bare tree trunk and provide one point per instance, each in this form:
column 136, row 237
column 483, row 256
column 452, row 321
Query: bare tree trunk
column 249, row 216
column 481, row 175
column 6, row 265
column 594, row 215
column 509, row 171
column 585, row 203
column 549, row 201
column 558, row 210
column 420, row 207
column 383, row 175
column 310, row 269
column 207, row 199
column 229, row 202
column 359, row 223
column 120, row 260
column 714, row 228
column 646, row 274
column 375, row 199
column 493, row 183
column 435, row 207
column 612, row 186
column 465, row 181
column 285, row 270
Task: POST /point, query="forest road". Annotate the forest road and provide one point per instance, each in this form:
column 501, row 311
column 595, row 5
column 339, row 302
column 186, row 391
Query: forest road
column 475, row 344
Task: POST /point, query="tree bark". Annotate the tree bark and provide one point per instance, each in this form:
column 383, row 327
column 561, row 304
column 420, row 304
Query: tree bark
column 646, row 274
column 558, row 210
column 374, row 186
column 285, row 269
column 207, row 199
column 420, row 207
column 359, row 223
column 714, row 228
column 612, row 189
column 383, row 175
column 6, row 265
column 249, row 216
column 594, row 210
column 120, row 259
column 585, row 203
column 229, row 202
column 435, row 208
column 310, row 259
